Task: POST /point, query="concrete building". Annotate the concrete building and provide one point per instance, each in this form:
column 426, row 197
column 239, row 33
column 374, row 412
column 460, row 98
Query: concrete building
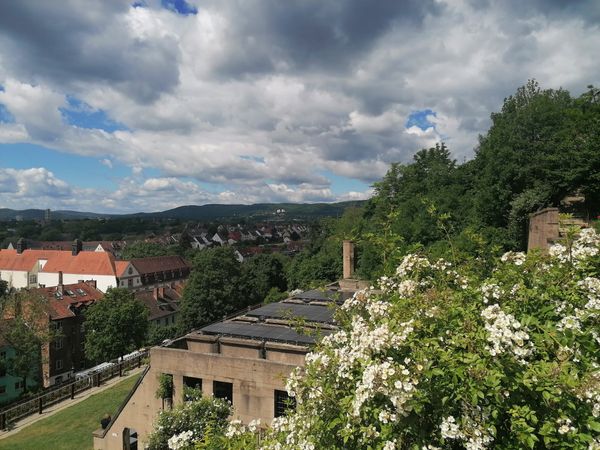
column 546, row 228
column 245, row 359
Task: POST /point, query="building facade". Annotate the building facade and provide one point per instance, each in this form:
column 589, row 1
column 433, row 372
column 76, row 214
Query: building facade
column 245, row 360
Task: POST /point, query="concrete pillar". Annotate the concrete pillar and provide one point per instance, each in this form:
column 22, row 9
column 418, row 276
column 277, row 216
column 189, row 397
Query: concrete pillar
column 348, row 248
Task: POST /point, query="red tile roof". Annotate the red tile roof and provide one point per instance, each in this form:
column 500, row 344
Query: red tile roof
column 84, row 263
column 73, row 296
column 159, row 264
column 120, row 267
column 161, row 301
column 11, row 260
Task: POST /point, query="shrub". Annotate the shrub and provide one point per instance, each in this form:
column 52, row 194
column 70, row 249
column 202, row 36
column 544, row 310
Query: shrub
column 447, row 357
column 178, row 428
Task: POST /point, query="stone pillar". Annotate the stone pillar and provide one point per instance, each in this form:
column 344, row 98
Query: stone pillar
column 348, row 247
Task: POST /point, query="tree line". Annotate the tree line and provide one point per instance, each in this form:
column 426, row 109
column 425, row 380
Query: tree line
column 542, row 145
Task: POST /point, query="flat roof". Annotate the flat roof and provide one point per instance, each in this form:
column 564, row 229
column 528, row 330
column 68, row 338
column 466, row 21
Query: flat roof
column 268, row 332
column 291, row 311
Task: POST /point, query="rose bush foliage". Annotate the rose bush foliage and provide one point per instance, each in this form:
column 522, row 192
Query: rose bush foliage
column 443, row 357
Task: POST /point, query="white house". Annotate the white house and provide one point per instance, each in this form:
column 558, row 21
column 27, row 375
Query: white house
column 34, row 268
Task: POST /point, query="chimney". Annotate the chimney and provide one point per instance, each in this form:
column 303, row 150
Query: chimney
column 91, row 283
column 348, row 247
column 60, row 287
column 76, row 247
column 21, row 245
column 161, row 292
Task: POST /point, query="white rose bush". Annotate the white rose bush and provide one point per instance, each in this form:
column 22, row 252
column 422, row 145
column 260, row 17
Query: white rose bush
column 439, row 356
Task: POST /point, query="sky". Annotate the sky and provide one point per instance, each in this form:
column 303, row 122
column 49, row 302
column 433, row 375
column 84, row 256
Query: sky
column 118, row 106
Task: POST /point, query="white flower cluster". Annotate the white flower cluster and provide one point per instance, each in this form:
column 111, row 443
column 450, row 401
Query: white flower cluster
column 449, row 428
column 389, row 445
column 505, row 334
column 235, row 428
column 591, row 394
column 412, row 263
column 390, row 379
column 378, row 309
column 357, row 301
column 295, row 432
column 564, row 426
column 490, row 292
column 569, row 323
column 473, row 436
column 591, row 287
column 516, row 258
column 406, row 288
column 586, row 245
column 181, row 440
column 358, row 345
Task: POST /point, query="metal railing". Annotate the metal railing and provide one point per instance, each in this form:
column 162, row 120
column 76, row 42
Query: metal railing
column 13, row 413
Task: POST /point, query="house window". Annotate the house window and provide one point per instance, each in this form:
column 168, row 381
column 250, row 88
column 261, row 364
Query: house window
column 130, row 271
column 19, row 385
column 283, row 403
column 33, row 278
column 223, row 390
column 2, row 389
column 2, row 371
column 130, row 282
column 58, row 364
column 192, row 383
column 58, row 344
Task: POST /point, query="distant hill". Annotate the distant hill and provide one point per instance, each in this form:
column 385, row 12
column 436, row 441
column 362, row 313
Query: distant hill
column 203, row 212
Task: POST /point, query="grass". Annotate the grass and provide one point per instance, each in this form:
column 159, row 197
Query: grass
column 71, row 428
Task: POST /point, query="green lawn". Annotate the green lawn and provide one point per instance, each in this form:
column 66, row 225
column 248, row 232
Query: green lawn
column 71, row 428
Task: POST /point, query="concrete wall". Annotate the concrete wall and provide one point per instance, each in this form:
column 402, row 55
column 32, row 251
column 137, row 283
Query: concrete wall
column 543, row 228
column 254, row 380
column 15, row 278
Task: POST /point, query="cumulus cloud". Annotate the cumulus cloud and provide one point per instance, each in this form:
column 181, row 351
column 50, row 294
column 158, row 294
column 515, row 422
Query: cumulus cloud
column 30, row 184
column 258, row 98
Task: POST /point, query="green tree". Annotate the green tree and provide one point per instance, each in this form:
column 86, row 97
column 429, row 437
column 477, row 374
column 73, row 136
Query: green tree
column 542, row 146
column 141, row 249
column 115, row 325
column 158, row 333
column 3, row 289
column 26, row 329
column 213, row 289
column 260, row 274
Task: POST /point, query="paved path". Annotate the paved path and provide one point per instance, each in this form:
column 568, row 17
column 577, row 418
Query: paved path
column 25, row 422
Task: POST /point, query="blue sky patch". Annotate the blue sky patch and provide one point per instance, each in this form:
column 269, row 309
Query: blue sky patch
column 82, row 115
column 179, row 6
column 258, row 159
column 5, row 115
column 419, row 119
column 76, row 170
column 341, row 185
